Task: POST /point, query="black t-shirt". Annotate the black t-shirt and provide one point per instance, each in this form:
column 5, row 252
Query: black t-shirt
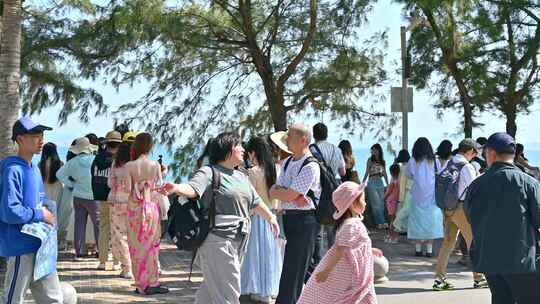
column 100, row 170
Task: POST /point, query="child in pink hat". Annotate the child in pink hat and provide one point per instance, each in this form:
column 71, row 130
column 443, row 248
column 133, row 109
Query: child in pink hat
column 345, row 274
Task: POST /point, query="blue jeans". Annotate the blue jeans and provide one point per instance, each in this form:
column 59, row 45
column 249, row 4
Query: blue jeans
column 375, row 198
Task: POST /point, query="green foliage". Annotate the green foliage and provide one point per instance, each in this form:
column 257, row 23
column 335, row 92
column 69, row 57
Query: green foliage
column 493, row 44
column 215, row 66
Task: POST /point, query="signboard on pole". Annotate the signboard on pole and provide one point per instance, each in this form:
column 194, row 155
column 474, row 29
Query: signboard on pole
column 396, row 97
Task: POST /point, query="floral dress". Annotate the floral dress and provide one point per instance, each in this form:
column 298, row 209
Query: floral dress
column 144, row 231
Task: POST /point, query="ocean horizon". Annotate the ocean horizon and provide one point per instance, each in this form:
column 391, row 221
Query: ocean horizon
column 361, row 155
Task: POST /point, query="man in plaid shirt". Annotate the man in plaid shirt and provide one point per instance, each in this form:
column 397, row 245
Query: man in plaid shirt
column 300, row 223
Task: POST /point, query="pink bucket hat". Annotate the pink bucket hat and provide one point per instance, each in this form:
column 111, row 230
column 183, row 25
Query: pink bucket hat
column 345, row 195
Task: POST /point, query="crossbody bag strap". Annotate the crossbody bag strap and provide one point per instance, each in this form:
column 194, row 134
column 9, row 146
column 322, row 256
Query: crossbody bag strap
column 216, row 181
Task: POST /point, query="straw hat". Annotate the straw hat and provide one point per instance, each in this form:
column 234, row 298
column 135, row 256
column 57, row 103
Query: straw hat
column 280, row 139
column 113, row 136
column 83, row 145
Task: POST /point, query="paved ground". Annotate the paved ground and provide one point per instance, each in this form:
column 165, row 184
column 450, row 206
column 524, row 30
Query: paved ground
column 410, row 280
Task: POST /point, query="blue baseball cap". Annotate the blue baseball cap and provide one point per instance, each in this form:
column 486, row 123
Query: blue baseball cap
column 502, row 143
column 26, row 126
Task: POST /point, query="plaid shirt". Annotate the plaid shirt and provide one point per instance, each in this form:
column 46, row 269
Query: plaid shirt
column 300, row 181
column 332, row 156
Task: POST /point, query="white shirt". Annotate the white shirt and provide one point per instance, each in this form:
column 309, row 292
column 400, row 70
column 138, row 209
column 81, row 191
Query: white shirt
column 332, row 156
column 300, row 181
column 467, row 175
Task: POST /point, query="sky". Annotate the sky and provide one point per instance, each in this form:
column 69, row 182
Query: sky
column 422, row 122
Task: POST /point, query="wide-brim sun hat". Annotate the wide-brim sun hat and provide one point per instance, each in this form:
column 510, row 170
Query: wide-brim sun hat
column 83, row 145
column 113, row 136
column 280, row 139
column 344, row 196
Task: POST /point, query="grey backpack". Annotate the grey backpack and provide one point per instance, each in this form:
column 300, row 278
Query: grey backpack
column 447, row 186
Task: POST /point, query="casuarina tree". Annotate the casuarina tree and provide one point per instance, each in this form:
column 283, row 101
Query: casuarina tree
column 213, row 65
column 477, row 55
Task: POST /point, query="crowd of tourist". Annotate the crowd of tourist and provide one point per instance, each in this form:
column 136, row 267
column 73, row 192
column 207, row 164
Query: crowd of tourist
column 268, row 238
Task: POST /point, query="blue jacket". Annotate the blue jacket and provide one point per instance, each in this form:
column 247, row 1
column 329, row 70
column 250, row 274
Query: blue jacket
column 21, row 195
column 78, row 168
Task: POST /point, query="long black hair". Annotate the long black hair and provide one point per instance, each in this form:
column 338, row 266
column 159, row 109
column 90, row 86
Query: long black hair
column 380, row 159
column 444, row 151
column 122, row 155
column 403, row 156
column 422, row 149
column 345, row 147
column 520, row 151
column 263, row 154
column 205, row 153
column 48, row 175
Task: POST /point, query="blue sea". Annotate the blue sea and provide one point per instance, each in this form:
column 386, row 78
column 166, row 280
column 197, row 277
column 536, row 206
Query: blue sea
column 361, row 155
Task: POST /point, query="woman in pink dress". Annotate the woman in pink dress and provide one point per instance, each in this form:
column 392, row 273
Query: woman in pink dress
column 144, row 230
column 345, row 274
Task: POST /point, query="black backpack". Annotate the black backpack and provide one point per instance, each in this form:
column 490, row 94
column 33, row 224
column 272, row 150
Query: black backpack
column 324, row 208
column 190, row 223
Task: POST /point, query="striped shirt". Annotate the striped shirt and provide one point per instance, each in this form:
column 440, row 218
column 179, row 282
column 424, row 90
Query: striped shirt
column 300, row 181
column 332, row 156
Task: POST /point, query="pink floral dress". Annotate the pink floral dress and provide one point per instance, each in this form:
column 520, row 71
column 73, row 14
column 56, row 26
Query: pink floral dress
column 144, row 233
column 351, row 280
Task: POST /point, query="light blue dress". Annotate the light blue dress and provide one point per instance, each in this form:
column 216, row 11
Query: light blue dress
column 425, row 218
column 261, row 268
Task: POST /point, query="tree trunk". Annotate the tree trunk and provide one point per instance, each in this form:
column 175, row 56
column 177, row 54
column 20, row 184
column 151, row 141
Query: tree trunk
column 467, row 117
column 510, row 112
column 276, row 105
column 10, row 66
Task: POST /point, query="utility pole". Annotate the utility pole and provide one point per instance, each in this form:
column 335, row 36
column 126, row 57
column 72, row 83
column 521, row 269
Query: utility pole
column 404, row 95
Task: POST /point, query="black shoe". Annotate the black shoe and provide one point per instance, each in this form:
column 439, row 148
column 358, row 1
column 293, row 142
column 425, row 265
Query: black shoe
column 429, row 254
column 156, row 290
column 418, row 253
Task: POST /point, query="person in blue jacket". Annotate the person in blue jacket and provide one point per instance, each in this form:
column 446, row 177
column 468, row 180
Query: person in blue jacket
column 21, row 202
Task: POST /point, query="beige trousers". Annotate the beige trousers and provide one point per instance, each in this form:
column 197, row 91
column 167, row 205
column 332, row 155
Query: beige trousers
column 454, row 222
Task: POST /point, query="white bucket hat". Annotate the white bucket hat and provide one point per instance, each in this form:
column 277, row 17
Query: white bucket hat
column 82, row 145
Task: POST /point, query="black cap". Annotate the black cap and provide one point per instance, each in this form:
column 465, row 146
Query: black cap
column 26, row 126
column 502, row 143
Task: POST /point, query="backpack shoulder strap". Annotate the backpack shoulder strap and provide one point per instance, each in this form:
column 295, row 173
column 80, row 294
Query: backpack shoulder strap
column 216, row 180
column 318, row 150
column 287, row 162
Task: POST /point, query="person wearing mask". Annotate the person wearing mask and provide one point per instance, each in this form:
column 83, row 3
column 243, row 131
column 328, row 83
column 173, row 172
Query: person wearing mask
column 101, row 169
column 300, row 223
column 22, row 197
column 76, row 174
column 503, row 207
column 455, row 220
column 221, row 255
